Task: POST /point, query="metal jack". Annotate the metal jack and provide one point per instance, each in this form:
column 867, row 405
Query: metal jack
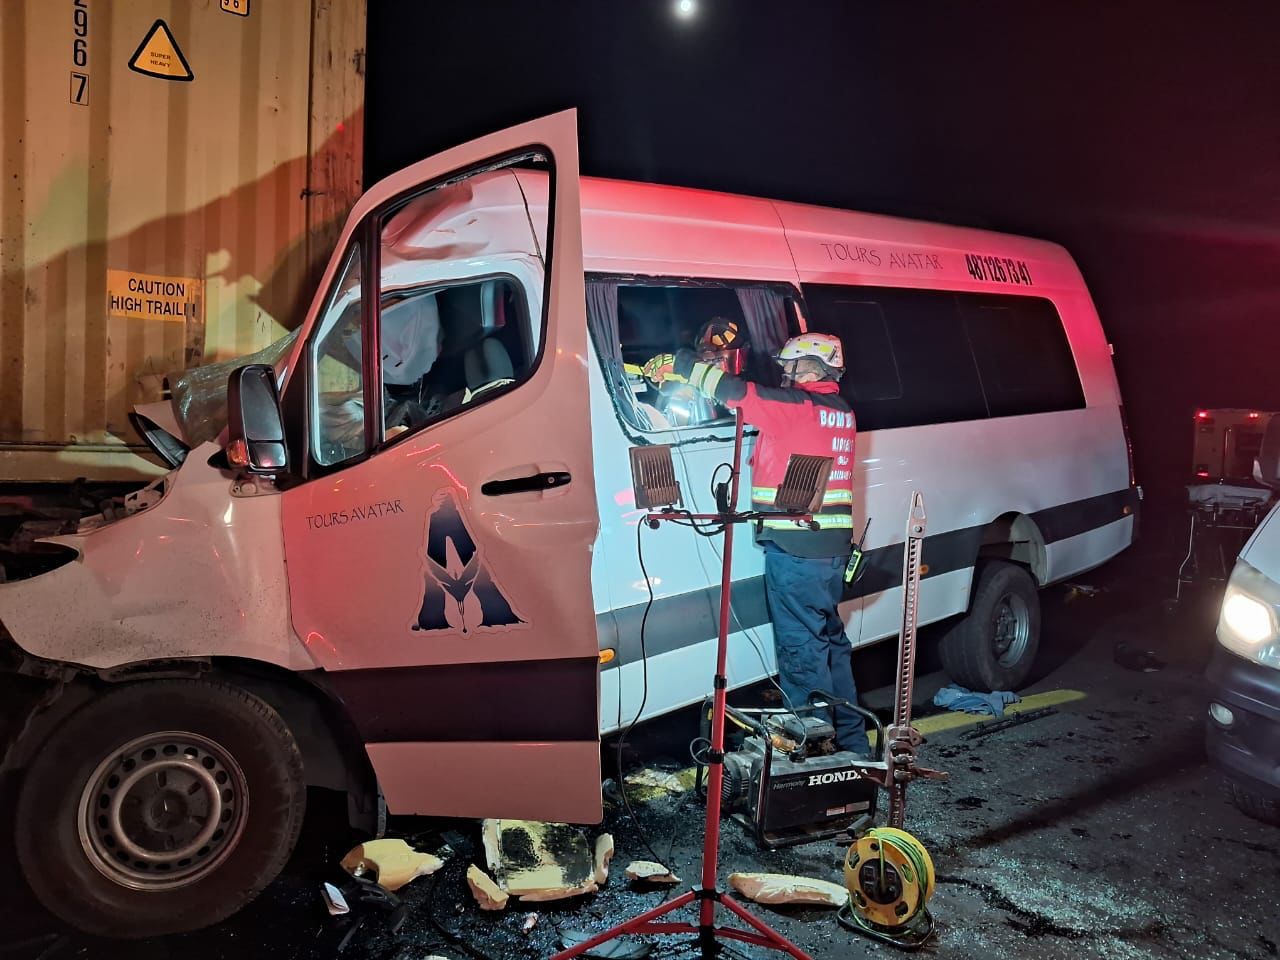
column 902, row 739
column 889, row 873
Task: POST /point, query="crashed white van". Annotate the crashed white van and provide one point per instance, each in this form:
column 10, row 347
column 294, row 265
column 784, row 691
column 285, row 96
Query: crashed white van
column 408, row 569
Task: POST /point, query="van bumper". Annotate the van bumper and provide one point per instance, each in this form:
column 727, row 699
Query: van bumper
column 1135, row 506
column 1246, row 750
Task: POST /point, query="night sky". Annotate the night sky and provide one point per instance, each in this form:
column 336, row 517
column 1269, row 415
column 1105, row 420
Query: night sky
column 1145, row 137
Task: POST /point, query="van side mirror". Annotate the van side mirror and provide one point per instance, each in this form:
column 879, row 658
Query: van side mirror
column 254, row 424
column 1266, row 469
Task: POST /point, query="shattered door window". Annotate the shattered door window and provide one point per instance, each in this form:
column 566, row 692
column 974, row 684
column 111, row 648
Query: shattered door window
column 337, row 395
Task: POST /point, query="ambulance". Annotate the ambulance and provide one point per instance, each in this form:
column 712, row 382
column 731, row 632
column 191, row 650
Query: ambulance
column 410, row 567
column 1227, row 443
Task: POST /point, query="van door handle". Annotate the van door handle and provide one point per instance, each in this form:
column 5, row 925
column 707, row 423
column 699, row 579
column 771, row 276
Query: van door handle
column 535, row 483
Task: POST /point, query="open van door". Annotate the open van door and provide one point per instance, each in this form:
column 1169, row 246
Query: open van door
column 439, row 532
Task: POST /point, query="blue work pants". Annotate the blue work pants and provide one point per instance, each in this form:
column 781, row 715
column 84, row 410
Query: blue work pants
column 813, row 651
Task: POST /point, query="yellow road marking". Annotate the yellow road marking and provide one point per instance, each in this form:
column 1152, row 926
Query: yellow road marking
column 939, row 722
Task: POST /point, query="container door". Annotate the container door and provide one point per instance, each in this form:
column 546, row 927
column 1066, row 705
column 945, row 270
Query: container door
column 439, row 547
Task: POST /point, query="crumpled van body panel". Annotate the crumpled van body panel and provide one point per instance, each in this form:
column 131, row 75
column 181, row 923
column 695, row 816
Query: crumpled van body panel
column 198, row 574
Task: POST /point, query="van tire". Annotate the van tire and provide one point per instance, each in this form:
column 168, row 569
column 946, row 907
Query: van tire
column 994, row 646
column 1251, row 804
column 166, row 768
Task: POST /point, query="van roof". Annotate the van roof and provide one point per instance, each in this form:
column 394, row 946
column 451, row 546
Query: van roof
column 649, row 229
column 654, row 229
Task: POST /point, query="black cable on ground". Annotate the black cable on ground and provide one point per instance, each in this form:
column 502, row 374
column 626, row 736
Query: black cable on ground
column 644, row 697
column 678, row 822
column 444, row 931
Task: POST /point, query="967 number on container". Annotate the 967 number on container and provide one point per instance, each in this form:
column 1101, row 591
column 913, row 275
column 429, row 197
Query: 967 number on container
column 80, row 51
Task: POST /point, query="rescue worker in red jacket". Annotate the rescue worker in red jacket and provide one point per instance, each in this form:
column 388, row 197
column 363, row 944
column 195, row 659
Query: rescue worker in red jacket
column 804, row 568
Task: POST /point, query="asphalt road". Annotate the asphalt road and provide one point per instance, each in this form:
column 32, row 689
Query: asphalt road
column 1098, row 831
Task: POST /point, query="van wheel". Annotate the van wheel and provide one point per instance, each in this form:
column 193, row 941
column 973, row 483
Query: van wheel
column 1251, row 804
column 160, row 807
column 994, row 646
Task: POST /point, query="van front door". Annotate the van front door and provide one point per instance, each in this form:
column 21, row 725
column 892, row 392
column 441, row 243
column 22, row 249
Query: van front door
column 439, row 550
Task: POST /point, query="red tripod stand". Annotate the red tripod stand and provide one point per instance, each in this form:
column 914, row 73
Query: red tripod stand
column 708, row 896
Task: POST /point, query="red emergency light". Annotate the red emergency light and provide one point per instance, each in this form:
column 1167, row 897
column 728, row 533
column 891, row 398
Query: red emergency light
column 1255, row 416
column 1202, row 414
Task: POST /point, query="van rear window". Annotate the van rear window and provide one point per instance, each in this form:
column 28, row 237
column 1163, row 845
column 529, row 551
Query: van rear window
column 916, row 357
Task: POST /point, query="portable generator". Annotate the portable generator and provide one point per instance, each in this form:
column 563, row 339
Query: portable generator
column 787, row 783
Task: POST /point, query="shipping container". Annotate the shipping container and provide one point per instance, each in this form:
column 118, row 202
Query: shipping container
column 174, row 175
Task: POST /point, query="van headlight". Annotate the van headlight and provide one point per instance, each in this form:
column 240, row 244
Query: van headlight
column 1247, row 624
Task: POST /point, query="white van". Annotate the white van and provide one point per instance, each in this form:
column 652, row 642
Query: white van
column 409, row 570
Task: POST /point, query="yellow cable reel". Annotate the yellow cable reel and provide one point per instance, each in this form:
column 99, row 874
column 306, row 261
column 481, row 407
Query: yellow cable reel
column 890, row 878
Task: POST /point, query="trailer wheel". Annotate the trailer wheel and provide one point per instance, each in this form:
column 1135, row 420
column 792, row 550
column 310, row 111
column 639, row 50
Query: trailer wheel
column 994, row 646
column 160, row 807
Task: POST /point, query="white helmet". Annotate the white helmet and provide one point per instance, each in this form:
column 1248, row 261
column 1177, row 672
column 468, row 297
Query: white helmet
column 822, row 347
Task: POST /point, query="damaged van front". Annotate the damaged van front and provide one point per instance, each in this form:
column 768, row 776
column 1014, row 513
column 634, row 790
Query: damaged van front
column 141, row 750
column 194, row 660
column 185, row 560
column 158, row 572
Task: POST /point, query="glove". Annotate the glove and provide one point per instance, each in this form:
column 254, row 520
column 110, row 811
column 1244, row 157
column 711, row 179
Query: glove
column 659, row 368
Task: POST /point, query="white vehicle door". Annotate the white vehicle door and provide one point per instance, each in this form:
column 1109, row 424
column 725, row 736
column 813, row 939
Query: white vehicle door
column 439, row 548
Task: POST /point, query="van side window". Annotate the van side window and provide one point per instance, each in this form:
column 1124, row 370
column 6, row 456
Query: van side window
column 447, row 346
column 1023, row 355
column 908, row 357
column 929, row 356
column 871, row 370
column 337, row 382
column 633, row 322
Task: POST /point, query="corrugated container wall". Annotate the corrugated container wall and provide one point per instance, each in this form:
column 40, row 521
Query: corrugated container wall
column 174, row 173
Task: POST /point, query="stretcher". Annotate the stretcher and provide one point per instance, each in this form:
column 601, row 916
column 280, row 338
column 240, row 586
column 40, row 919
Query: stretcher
column 1221, row 516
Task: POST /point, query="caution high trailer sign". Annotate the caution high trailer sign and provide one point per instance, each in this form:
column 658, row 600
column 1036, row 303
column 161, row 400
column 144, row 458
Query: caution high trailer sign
column 144, row 297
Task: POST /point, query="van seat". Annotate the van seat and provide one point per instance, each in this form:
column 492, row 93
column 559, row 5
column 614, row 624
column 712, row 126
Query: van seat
column 488, row 361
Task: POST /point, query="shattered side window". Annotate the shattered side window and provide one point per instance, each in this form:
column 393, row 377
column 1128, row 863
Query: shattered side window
column 337, row 380
column 655, row 320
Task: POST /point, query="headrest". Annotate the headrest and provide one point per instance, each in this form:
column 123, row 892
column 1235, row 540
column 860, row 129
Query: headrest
column 486, row 362
column 489, row 295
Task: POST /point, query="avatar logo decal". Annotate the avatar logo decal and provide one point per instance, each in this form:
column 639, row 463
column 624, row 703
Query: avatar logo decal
column 460, row 592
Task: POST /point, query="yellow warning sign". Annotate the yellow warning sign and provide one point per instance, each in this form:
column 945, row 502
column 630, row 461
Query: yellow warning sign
column 144, row 296
column 158, row 55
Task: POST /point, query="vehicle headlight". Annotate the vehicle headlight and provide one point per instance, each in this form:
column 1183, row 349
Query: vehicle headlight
column 1248, row 618
column 1247, row 624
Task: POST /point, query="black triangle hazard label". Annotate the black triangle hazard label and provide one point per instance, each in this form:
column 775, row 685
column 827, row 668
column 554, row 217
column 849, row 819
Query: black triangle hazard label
column 158, row 55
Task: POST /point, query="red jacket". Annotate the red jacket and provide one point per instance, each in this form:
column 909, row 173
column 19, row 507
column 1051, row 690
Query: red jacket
column 808, row 418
